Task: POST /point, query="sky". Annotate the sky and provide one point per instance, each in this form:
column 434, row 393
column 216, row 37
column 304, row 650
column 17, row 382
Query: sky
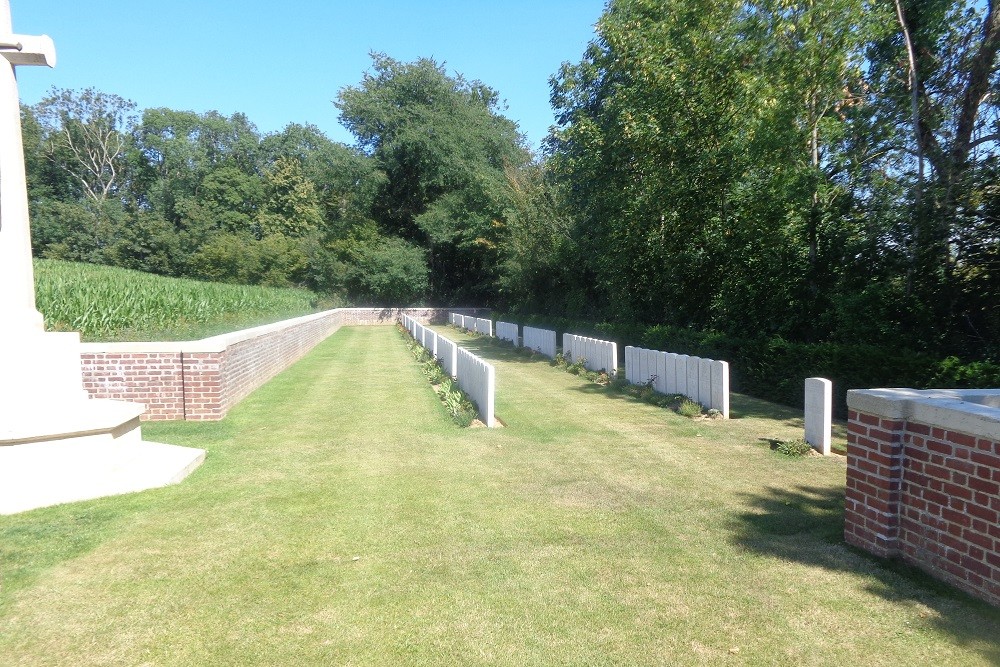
column 284, row 62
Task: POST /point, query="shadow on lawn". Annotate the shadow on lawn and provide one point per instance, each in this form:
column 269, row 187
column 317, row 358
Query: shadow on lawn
column 805, row 524
column 741, row 405
column 762, row 409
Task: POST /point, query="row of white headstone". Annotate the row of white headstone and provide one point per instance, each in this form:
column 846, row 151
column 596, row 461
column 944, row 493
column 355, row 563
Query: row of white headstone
column 704, row 381
column 474, row 376
column 596, row 354
column 471, row 323
column 542, row 341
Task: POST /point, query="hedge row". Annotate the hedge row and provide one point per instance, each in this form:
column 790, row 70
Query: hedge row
column 775, row 369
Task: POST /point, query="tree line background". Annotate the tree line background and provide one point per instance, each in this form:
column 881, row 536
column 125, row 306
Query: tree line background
column 794, row 177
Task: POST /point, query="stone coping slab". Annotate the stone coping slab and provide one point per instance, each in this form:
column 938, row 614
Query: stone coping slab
column 212, row 344
column 221, row 342
column 972, row 411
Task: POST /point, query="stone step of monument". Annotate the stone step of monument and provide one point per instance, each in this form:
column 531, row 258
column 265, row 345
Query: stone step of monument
column 41, row 474
column 38, row 421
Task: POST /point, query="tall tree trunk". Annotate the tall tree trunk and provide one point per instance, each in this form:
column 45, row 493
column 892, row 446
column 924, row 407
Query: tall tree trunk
column 918, row 194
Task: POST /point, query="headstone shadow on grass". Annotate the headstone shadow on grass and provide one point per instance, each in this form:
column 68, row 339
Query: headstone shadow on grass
column 805, row 524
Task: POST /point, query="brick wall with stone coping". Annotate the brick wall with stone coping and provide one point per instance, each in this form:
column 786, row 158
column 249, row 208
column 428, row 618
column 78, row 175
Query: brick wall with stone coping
column 203, row 379
column 923, row 482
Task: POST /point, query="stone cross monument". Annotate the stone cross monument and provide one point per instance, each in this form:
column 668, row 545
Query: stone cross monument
column 17, row 285
column 33, row 365
column 56, row 444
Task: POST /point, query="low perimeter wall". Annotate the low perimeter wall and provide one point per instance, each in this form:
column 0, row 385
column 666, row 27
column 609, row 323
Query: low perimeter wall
column 203, row 379
column 923, row 482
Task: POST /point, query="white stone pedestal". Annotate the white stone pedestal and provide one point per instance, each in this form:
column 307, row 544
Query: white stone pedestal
column 38, row 365
column 57, row 445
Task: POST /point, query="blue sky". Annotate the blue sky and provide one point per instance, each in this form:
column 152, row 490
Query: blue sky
column 284, row 61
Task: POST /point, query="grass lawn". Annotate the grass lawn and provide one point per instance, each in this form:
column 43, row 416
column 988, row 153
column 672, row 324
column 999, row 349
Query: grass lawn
column 342, row 519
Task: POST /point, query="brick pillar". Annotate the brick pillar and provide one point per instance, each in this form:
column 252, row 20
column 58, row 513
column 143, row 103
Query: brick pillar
column 874, row 480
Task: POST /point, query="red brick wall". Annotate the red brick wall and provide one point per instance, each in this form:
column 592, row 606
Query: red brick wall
column 927, row 495
column 202, row 380
column 152, row 378
column 204, row 386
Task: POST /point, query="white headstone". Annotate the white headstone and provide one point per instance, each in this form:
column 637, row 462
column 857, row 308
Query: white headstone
column 681, row 375
column 819, row 413
column 693, row 368
column 670, row 375
column 661, row 372
column 705, row 382
column 720, row 387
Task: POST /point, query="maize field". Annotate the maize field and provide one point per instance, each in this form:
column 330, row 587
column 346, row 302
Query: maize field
column 109, row 303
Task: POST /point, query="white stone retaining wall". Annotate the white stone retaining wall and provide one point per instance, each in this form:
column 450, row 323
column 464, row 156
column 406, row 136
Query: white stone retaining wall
column 542, row 341
column 599, row 355
column 507, row 331
column 474, row 376
column 705, row 381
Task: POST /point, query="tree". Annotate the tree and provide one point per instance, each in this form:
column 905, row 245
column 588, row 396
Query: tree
column 653, row 126
column 346, row 180
column 87, row 135
column 291, row 206
column 442, row 145
column 818, row 171
column 180, row 149
column 539, row 268
column 381, row 270
column 938, row 71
